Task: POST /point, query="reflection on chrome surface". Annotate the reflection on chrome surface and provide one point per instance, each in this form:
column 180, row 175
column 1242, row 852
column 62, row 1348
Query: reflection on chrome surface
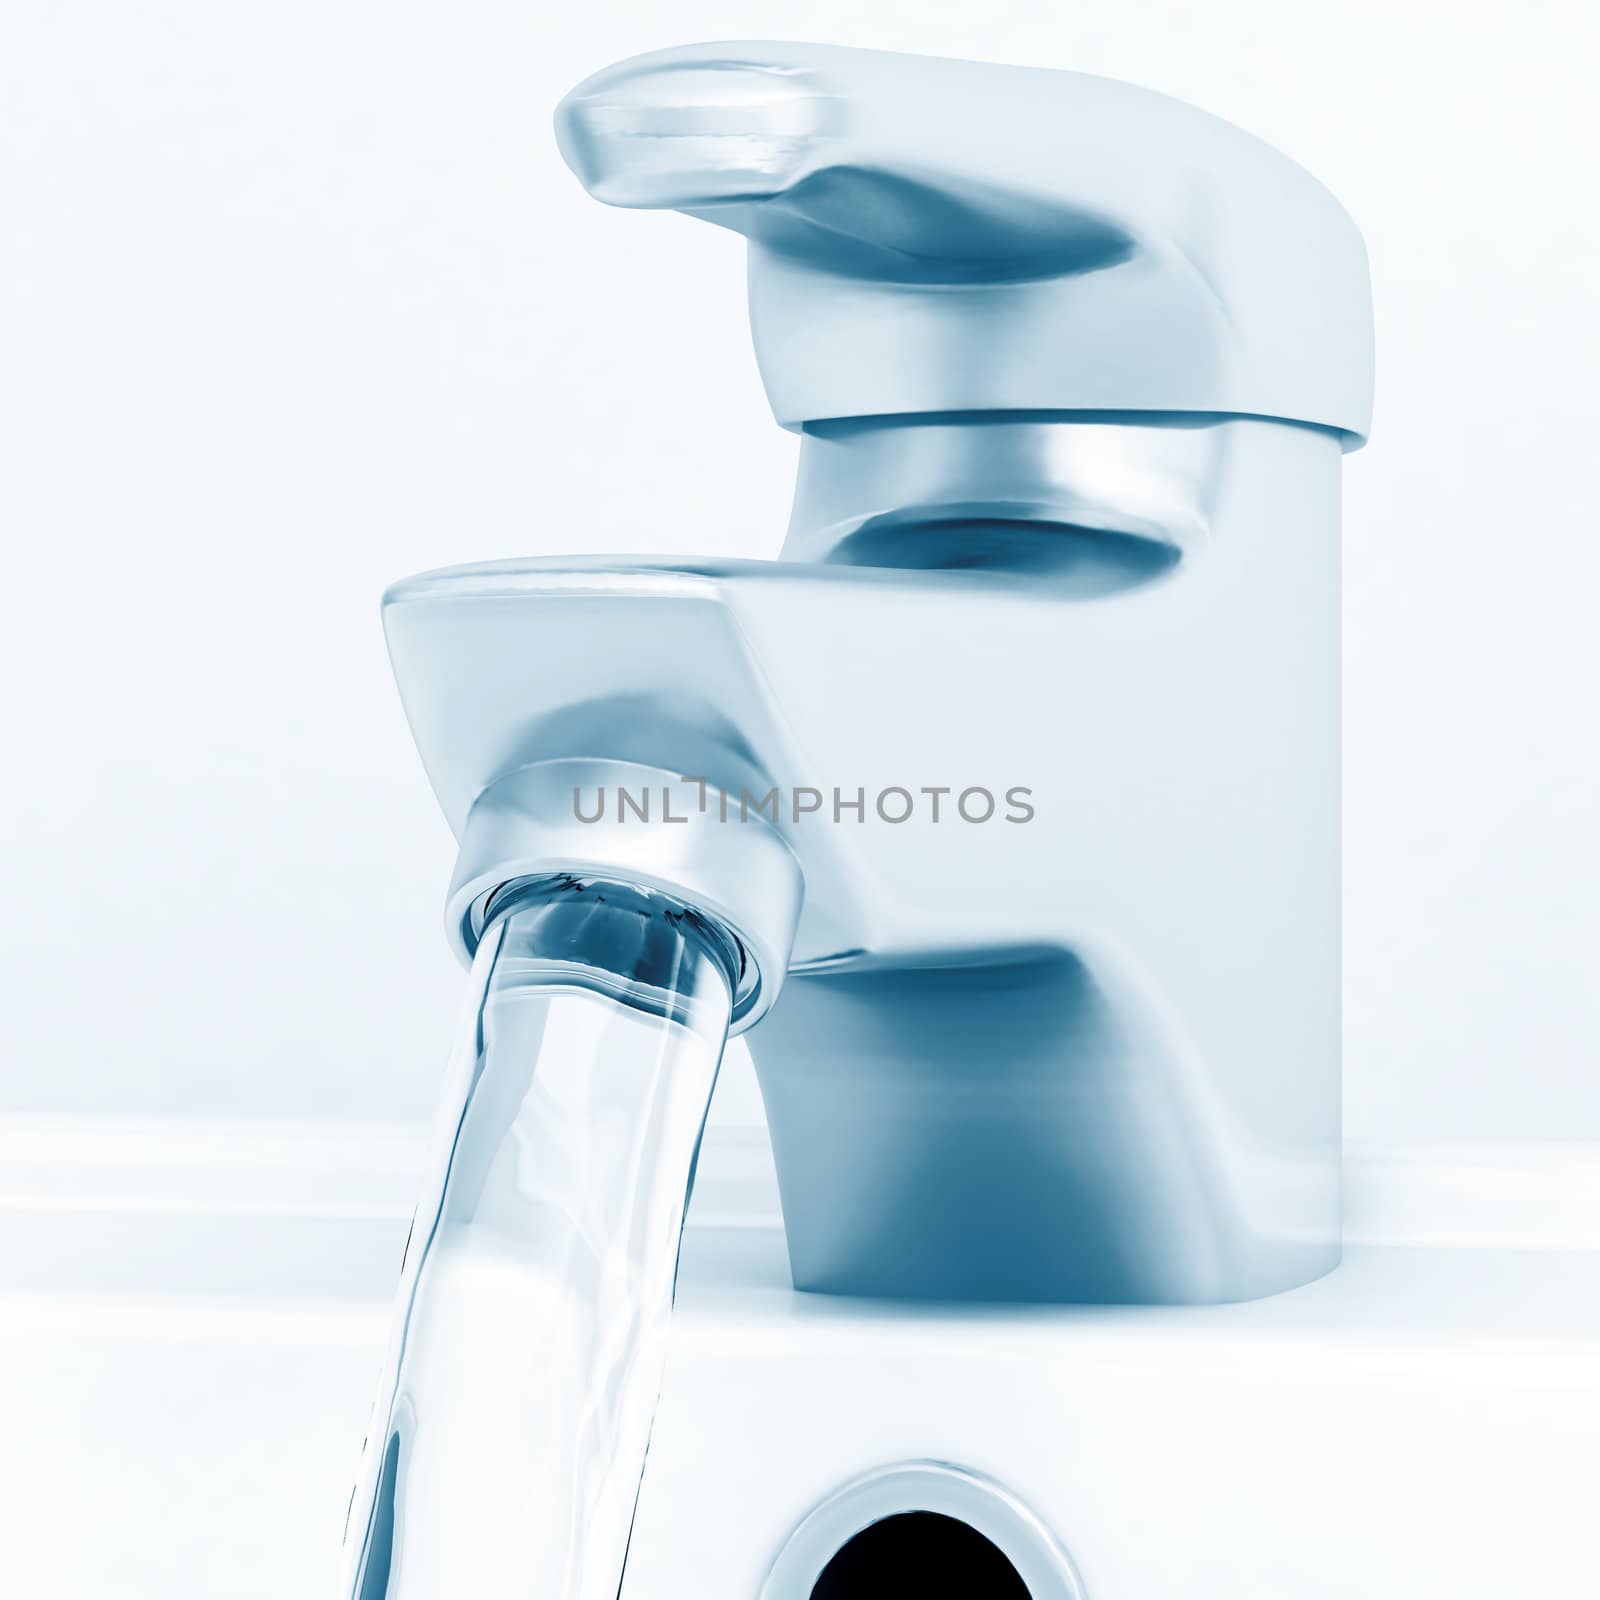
column 509, row 1437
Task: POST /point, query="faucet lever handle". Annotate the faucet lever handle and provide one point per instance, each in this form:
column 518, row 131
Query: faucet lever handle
column 793, row 150
column 1108, row 248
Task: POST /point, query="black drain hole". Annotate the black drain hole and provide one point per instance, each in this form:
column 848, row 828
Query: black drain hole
column 923, row 1556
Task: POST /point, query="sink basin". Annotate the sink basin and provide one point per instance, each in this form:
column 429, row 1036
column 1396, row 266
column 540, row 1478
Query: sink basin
column 194, row 1318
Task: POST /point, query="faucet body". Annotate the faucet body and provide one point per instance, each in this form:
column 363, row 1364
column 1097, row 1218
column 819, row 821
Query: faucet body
column 1092, row 1055
column 1016, row 769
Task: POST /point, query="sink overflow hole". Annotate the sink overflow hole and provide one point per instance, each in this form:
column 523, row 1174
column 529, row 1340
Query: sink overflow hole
column 922, row 1554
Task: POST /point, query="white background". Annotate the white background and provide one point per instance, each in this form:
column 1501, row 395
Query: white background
column 297, row 298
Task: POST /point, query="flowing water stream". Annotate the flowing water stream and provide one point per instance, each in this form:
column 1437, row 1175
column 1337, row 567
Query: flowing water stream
column 510, row 1435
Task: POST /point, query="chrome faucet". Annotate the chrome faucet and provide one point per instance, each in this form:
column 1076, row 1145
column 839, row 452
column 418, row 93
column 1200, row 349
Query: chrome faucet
column 1018, row 769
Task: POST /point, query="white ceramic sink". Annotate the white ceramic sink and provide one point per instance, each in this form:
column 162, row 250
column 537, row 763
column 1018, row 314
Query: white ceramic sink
column 193, row 1319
